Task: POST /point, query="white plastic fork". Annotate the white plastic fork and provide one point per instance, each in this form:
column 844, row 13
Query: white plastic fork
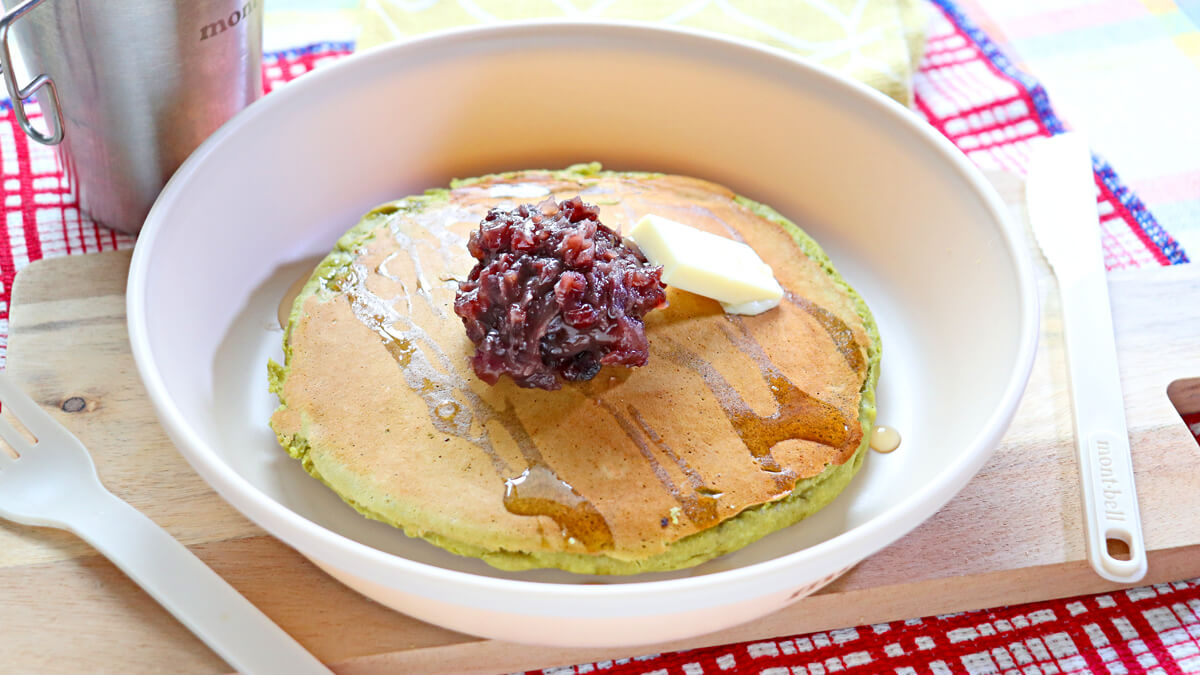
column 53, row 483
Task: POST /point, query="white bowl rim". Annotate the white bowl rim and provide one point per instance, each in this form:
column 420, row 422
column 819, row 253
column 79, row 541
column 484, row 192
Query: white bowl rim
column 862, row 540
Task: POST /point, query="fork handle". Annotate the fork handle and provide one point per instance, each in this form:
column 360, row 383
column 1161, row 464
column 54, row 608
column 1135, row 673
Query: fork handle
column 204, row 602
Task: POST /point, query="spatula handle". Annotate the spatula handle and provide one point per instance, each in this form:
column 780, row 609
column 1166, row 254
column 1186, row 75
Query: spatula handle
column 204, row 602
column 1102, row 439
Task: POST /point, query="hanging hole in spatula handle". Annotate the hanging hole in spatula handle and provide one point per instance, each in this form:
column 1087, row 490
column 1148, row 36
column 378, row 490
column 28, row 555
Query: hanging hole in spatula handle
column 52, row 111
column 1118, row 548
column 1122, row 555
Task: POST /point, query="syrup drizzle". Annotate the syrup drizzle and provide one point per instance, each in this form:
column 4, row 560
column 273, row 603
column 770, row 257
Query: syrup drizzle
column 885, row 439
column 700, row 504
column 842, row 335
column 800, row 415
column 538, row 491
column 737, row 412
column 455, row 410
column 416, row 353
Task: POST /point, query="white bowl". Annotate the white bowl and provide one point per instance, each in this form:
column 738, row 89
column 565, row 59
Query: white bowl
column 906, row 218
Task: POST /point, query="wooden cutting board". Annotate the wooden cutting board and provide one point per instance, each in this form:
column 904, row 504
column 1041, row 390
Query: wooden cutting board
column 1014, row 534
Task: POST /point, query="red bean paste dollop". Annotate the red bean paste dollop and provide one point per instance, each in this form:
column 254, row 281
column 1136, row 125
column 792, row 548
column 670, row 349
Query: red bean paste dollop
column 555, row 294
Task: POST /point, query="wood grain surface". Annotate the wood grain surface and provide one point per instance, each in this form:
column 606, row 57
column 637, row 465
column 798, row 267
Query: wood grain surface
column 1014, row 533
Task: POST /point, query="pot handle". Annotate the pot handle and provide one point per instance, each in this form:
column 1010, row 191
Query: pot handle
column 52, row 110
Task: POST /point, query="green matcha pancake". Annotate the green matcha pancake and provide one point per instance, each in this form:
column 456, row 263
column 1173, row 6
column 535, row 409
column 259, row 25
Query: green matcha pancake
column 736, row 427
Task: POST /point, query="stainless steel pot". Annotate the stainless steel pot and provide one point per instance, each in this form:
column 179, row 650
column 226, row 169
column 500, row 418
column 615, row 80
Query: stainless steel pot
column 129, row 88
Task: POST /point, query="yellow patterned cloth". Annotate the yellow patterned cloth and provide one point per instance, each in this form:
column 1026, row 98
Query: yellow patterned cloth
column 875, row 41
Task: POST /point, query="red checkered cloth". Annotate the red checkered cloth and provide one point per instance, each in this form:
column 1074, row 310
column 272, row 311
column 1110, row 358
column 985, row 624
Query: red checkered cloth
column 1154, row 629
column 970, row 92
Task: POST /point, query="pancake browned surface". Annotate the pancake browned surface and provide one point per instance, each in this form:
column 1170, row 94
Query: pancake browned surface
column 736, row 427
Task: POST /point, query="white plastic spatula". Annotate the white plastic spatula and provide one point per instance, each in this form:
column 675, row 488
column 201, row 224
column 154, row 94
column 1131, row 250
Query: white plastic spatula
column 1061, row 197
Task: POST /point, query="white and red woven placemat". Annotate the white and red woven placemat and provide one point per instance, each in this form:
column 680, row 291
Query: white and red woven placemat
column 969, row 91
column 1144, row 630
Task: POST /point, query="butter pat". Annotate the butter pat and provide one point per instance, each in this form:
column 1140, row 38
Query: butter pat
column 725, row 270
